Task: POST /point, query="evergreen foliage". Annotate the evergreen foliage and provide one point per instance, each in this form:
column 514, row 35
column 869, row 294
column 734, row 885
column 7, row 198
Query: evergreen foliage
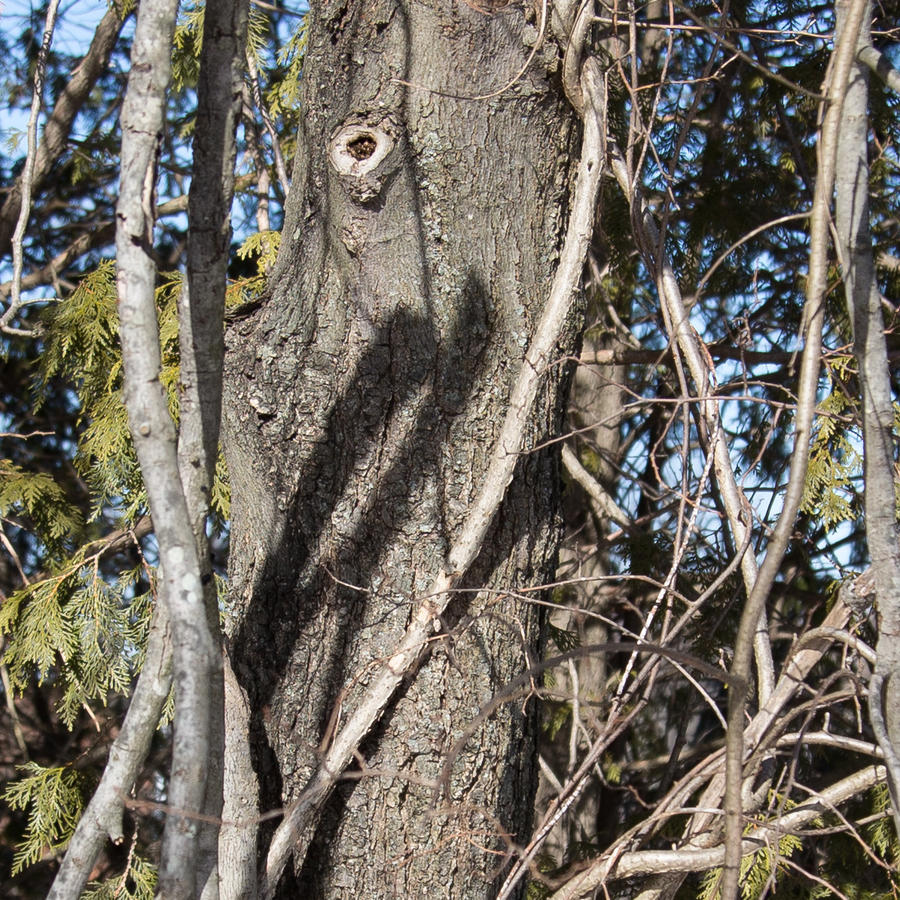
column 54, row 800
column 37, row 499
column 760, row 871
column 835, row 461
column 137, row 882
column 78, row 625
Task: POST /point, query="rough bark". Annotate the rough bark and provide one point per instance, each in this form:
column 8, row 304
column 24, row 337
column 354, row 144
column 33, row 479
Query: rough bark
column 362, row 401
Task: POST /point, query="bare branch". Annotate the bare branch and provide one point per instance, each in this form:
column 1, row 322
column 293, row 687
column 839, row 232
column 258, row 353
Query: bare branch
column 699, row 364
column 814, row 315
column 153, row 432
column 879, row 729
column 255, row 150
column 880, row 65
column 280, row 168
column 647, row 862
column 864, row 307
column 100, row 234
column 805, row 654
column 27, row 180
column 606, row 506
column 49, row 272
column 781, row 220
column 201, row 310
column 77, row 89
column 102, row 819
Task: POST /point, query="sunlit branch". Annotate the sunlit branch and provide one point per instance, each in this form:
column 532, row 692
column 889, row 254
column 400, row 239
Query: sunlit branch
column 647, row 862
column 881, row 66
column 70, row 100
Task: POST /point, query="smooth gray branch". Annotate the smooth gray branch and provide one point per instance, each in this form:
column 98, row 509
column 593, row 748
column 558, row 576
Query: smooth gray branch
column 153, row 431
column 880, row 65
column 880, row 730
column 870, row 349
column 201, row 330
column 102, row 820
column 605, row 504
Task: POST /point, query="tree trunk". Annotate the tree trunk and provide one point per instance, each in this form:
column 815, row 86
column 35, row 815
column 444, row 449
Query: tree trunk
column 362, row 400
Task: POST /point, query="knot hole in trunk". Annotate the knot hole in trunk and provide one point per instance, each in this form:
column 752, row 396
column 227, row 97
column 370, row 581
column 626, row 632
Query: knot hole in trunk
column 357, row 150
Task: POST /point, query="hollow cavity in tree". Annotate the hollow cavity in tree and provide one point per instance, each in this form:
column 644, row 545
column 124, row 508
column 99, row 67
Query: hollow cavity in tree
column 358, row 150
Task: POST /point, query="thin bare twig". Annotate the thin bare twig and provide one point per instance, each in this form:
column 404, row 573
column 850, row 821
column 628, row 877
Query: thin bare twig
column 681, row 548
column 765, row 71
column 10, row 697
column 699, row 363
column 814, row 315
column 603, row 501
column 792, row 217
column 280, row 168
column 27, row 180
column 70, row 100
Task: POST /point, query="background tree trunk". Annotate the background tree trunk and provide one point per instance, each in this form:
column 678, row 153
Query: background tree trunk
column 362, row 401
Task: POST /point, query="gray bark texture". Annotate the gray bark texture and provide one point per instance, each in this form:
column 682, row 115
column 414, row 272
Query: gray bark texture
column 362, row 400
